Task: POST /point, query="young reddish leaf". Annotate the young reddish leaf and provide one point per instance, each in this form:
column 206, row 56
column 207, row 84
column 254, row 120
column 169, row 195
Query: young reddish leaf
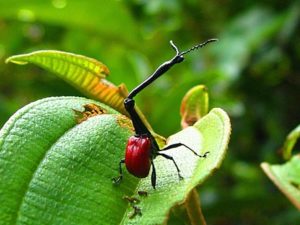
column 63, row 63
column 84, row 73
column 290, row 142
column 194, row 105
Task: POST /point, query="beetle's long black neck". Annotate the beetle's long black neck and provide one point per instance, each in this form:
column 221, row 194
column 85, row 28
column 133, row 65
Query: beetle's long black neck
column 158, row 72
column 129, row 103
column 138, row 124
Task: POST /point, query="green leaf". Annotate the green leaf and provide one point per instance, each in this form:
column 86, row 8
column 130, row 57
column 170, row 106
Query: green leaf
column 287, row 178
column 54, row 171
column 210, row 134
column 290, row 142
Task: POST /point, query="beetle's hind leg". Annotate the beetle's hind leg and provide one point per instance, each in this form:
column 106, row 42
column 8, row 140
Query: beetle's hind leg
column 175, row 164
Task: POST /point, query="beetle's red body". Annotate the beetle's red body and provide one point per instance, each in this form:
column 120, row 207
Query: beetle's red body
column 138, row 156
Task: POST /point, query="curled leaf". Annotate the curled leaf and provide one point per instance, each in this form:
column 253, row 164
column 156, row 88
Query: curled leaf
column 194, row 105
column 287, row 178
column 290, row 142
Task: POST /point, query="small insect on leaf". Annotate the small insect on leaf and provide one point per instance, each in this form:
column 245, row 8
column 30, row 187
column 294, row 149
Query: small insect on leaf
column 90, row 110
column 143, row 193
column 131, row 200
column 136, row 211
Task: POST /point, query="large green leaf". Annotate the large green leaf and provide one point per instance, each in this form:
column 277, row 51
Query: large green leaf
column 54, row 171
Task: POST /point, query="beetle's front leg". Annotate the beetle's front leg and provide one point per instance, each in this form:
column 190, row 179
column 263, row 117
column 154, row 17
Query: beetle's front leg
column 117, row 180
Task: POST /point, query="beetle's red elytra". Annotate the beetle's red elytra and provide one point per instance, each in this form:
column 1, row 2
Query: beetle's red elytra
column 137, row 156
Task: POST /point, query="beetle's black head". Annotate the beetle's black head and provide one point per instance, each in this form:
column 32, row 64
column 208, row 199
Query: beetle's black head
column 179, row 58
column 129, row 103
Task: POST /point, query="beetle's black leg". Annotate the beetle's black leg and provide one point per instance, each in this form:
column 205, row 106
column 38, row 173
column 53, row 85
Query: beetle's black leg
column 176, row 145
column 153, row 175
column 137, row 122
column 171, row 158
column 117, row 180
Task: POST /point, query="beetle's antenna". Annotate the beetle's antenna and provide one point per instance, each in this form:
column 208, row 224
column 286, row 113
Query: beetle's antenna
column 196, row 46
column 174, row 47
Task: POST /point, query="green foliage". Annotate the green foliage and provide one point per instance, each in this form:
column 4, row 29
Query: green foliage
column 55, row 171
column 44, row 173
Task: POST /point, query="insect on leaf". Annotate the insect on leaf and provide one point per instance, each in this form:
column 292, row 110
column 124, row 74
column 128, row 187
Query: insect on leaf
column 209, row 134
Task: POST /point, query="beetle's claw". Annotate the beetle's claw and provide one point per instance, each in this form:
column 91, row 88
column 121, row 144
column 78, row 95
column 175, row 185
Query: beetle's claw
column 180, row 177
column 117, row 180
column 205, row 154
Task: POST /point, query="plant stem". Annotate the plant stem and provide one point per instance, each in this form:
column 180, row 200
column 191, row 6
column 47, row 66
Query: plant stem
column 193, row 208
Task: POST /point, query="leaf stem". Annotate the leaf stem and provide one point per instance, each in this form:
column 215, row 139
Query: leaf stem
column 193, row 208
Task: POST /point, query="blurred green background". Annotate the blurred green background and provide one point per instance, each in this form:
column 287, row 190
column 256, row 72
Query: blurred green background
column 252, row 73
